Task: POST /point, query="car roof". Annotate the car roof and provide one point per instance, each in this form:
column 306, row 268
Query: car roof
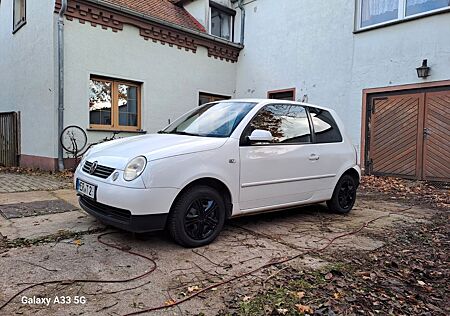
column 274, row 101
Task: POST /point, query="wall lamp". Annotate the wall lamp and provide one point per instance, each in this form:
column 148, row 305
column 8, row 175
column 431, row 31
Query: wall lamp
column 423, row 71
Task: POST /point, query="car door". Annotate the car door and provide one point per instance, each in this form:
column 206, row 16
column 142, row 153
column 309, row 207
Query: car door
column 283, row 171
column 329, row 147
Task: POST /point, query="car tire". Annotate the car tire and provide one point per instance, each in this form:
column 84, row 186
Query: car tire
column 197, row 216
column 344, row 195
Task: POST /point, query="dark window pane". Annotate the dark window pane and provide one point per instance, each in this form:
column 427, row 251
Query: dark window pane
column 206, row 98
column 376, row 11
column 127, row 105
column 203, row 99
column 420, row 6
column 283, row 95
column 215, row 22
column 325, row 128
column 19, row 12
column 287, row 123
column 100, row 102
column 220, row 23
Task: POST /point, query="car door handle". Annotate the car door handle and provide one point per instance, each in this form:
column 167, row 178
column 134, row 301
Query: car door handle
column 314, row 157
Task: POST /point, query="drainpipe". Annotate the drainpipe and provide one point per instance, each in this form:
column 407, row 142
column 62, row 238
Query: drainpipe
column 241, row 6
column 60, row 44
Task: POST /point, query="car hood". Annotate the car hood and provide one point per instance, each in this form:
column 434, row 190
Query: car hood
column 117, row 153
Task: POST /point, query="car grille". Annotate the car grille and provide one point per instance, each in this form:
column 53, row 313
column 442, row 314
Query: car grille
column 101, row 171
column 106, row 210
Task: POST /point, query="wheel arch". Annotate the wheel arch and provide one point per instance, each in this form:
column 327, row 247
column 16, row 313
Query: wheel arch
column 353, row 173
column 215, row 183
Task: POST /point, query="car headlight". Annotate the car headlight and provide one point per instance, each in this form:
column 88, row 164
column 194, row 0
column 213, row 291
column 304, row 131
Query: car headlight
column 134, row 168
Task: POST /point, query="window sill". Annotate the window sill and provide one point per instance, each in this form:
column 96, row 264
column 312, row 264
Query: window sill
column 407, row 19
column 19, row 26
column 109, row 130
column 229, row 41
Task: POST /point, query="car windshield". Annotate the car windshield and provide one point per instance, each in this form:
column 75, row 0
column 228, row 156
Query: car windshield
column 211, row 120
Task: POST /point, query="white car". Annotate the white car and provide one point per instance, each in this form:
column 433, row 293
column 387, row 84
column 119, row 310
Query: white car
column 220, row 160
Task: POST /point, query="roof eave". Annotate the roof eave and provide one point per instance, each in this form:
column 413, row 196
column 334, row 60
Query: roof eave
column 159, row 21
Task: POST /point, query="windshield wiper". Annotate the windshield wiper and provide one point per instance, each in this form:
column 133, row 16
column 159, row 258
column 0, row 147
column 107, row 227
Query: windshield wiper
column 162, row 132
column 183, row 133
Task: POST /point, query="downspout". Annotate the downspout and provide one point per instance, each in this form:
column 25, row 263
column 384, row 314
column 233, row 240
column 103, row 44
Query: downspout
column 241, row 6
column 60, row 44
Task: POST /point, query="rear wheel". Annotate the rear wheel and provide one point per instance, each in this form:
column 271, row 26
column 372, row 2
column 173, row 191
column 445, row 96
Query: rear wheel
column 344, row 195
column 197, row 217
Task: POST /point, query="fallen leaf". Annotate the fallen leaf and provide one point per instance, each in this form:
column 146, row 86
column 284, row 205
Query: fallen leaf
column 169, row 302
column 304, row 308
column 193, row 288
column 282, row 311
column 300, row 295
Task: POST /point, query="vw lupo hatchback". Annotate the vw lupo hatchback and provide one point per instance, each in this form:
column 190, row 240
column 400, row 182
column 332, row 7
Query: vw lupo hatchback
column 220, row 160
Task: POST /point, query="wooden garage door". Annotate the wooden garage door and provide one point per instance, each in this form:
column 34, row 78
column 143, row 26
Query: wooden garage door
column 410, row 135
column 436, row 152
column 394, row 140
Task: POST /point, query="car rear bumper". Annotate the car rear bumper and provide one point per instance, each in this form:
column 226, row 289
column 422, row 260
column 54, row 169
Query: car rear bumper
column 122, row 218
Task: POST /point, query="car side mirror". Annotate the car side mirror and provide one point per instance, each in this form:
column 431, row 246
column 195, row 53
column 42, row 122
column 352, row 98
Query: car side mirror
column 260, row 135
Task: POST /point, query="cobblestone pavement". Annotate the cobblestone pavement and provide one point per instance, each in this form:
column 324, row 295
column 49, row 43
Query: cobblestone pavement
column 10, row 182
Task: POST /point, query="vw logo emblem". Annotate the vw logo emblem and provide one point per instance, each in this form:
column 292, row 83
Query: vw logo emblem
column 93, row 167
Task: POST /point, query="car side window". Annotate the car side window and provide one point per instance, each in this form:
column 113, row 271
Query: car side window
column 325, row 127
column 288, row 123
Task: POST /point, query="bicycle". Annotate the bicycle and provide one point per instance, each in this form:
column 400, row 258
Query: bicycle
column 74, row 141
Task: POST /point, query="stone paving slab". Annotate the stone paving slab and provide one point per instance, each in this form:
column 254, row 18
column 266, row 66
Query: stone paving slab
column 45, row 225
column 35, row 208
column 26, row 197
column 11, row 182
column 48, row 222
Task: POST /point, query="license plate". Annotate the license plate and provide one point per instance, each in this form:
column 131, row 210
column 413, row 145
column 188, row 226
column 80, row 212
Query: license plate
column 86, row 189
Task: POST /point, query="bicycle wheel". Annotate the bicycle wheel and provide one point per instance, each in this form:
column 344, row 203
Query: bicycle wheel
column 73, row 139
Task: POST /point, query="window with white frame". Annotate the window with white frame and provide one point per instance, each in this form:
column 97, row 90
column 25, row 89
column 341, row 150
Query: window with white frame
column 377, row 12
column 222, row 20
column 420, row 6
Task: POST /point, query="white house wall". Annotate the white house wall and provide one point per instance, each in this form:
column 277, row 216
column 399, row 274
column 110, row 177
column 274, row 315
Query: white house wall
column 27, row 75
column 310, row 45
column 171, row 78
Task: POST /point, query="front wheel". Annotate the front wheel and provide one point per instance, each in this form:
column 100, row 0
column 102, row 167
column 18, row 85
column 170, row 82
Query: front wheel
column 344, row 195
column 197, row 217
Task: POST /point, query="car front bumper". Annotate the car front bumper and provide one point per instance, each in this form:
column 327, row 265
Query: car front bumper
column 129, row 208
column 123, row 219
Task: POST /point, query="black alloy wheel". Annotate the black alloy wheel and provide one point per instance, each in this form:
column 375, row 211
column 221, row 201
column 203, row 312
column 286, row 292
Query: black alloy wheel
column 197, row 216
column 201, row 219
column 344, row 195
column 347, row 193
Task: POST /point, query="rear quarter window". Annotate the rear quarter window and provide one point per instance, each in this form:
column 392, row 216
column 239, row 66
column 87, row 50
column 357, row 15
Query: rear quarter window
column 325, row 127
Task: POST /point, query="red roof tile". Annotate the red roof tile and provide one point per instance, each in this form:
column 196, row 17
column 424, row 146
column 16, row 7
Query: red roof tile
column 163, row 10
